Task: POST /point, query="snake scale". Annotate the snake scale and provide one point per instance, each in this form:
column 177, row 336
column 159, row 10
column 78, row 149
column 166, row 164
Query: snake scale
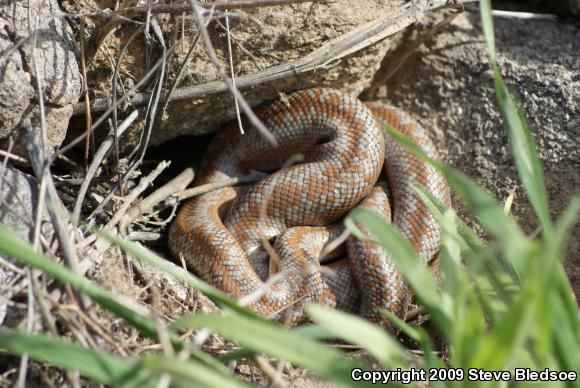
column 220, row 234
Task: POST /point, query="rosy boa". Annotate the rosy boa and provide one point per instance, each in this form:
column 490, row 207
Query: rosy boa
column 220, row 233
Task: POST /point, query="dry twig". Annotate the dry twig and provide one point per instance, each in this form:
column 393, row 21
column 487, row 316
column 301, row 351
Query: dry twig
column 90, row 139
column 57, row 210
column 275, row 376
column 97, row 159
column 232, row 72
column 127, row 201
column 16, row 158
column 178, row 9
column 177, row 184
column 202, row 189
column 109, row 106
column 226, row 79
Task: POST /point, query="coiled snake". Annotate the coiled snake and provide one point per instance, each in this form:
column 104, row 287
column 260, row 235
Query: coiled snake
column 220, row 233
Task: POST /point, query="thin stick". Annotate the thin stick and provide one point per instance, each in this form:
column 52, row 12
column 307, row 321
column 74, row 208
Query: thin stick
column 182, row 67
column 127, row 201
column 29, row 327
column 275, row 377
column 118, row 18
column 177, row 184
column 89, row 140
column 414, row 313
column 143, row 184
column 202, row 189
column 261, row 291
column 22, row 373
column 178, row 9
column 138, row 153
column 57, row 209
column 177, row 79
column 520, row 15
column 144, row 236
column 14, row 157
column 334, row 244
column 152, row 106
column 98, row 157
column 232, row 73
column 114, row 82
column 43, row 308
column 274, row 257
column 261, row 226
column 110, row 106
column 510, row 200
column 230, row 85
column 96, row 328
column 287, row 306
column 11, row 267
column 43, row 147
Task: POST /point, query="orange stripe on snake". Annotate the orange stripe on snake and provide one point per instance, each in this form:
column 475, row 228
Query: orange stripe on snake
column 220, row 233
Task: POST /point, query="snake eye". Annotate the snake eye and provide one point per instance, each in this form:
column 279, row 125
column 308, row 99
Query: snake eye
column 322, row 140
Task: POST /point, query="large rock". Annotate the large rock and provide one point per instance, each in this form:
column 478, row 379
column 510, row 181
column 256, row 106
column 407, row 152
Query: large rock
column 455, row 97
column 565, row 6
column 18, row 204
column 57, row 68
column 269, row 36
column 18, row 193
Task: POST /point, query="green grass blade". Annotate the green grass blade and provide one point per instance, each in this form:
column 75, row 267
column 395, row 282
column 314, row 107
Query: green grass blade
column 492, row 216
column 349, row 328
column 494, row 279
column 191, row 373
column 565, row 331
column 487, row 22
column 405, row 258
column 146, row 256
column 486, row 209
column 499, row 346
column 512, row 242
column 407, row 329
column 102, row 367
column 429, row 356
column 468, row 324
column 566, row 296
column 236, row 355
column 525, row 153
column 554, row 249
column 557, row 244
column 277, row 341
column 472, row 247
column 523, row 146
column 314, row 332
column 437, row 208
column 13, row 246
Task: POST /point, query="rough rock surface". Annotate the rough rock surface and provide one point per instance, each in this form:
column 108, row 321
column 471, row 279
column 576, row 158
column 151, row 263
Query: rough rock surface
column 565, row 6
column 269, row 36
column 18, row 196
column 57, row 67
column 454, row 95
column 561, row 7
